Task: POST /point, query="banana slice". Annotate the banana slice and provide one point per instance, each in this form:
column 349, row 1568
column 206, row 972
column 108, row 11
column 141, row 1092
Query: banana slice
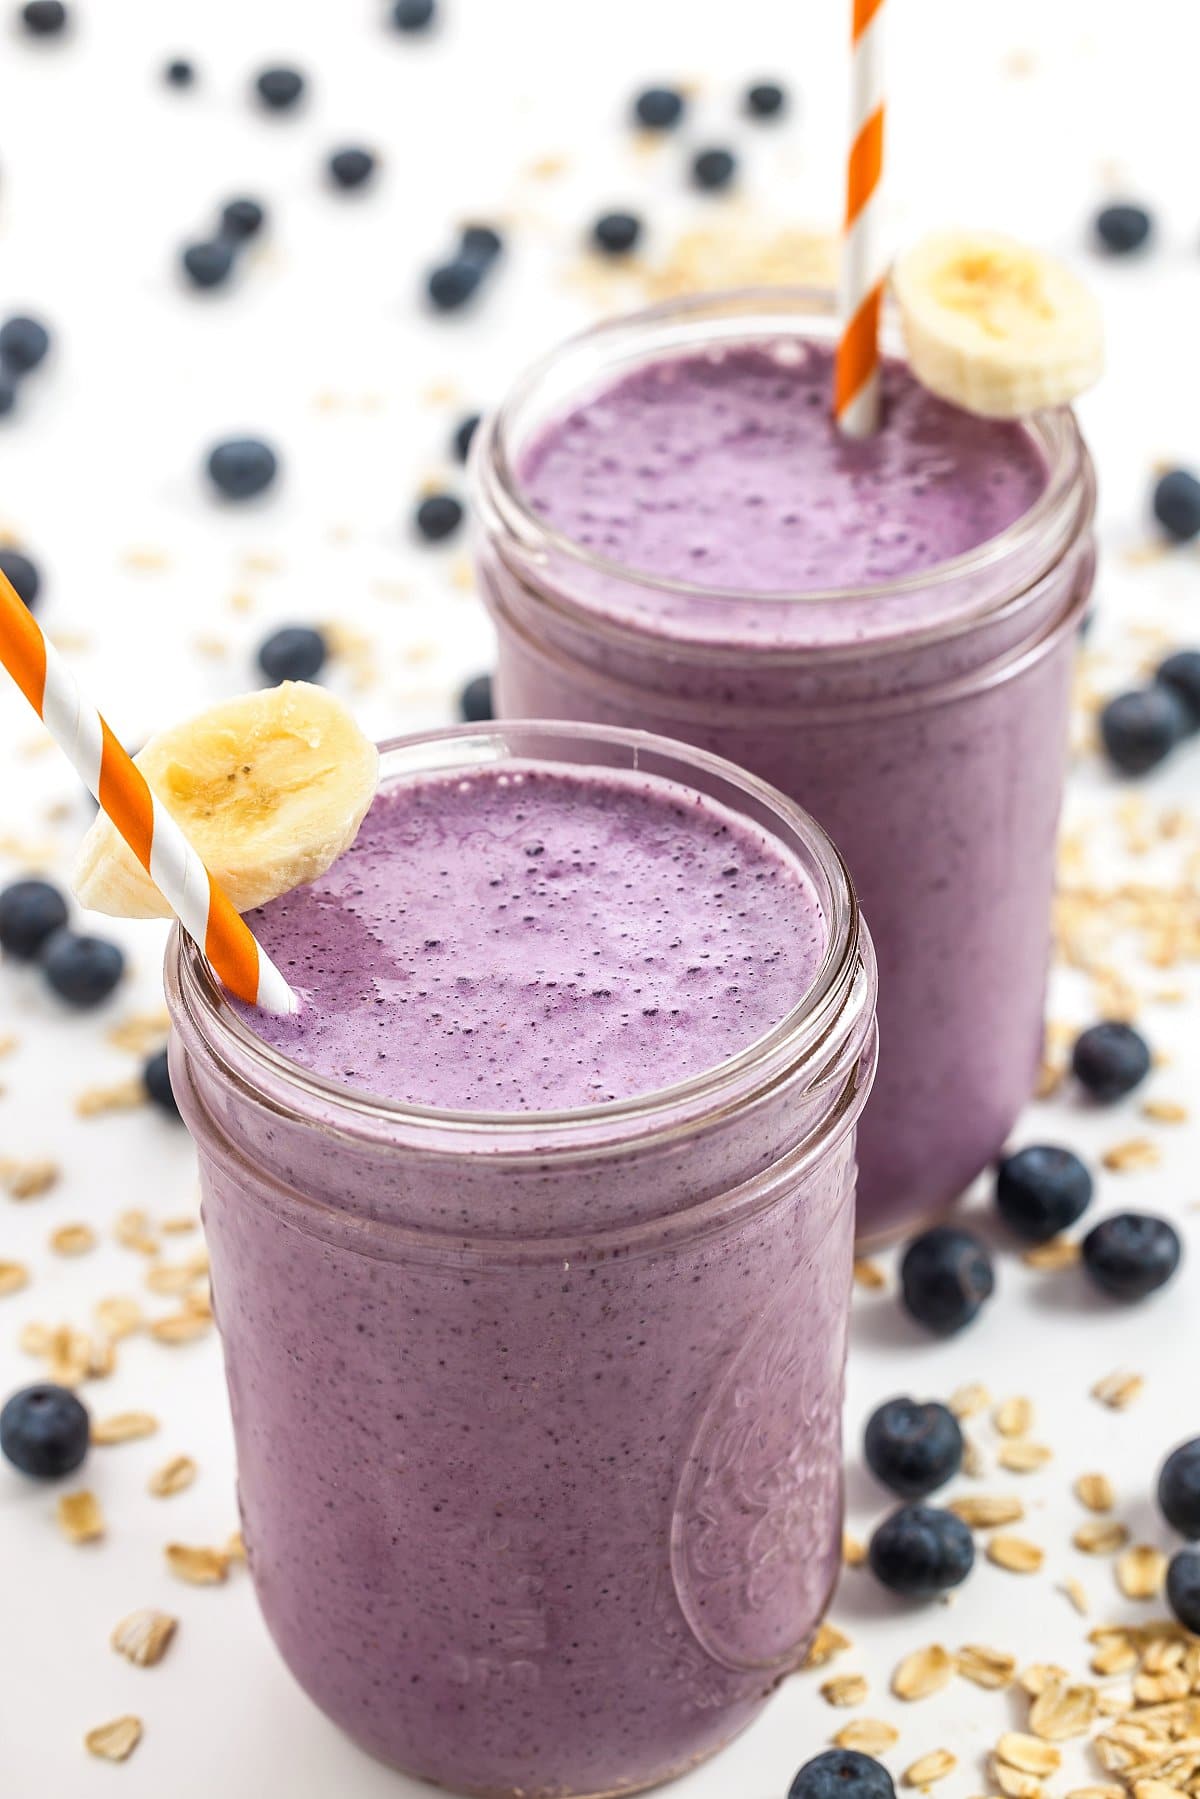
column 270, row 788
column 995, row 327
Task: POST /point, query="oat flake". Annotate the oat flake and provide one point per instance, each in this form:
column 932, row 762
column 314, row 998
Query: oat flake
column 144, row 1637
column 1015, row 1554
column 923, row 1672
column 115, row 1741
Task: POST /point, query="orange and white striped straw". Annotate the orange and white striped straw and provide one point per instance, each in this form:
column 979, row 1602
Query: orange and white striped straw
column 856, row 370
column 201, row 907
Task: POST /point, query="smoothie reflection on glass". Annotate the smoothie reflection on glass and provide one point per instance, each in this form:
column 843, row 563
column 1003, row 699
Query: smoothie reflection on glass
column 531, row 1248
column 674, row 535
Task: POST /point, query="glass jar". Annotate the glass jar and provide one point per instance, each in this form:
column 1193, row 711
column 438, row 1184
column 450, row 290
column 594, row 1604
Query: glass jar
column 923, row 721
column 538, row 1415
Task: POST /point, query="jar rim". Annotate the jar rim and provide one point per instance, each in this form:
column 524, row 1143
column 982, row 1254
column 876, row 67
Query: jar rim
column 741, row 314
column 195, row 995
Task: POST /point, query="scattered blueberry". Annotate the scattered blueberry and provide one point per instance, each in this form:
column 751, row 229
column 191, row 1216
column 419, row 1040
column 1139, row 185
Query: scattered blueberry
column 475, row 705
column 1131, row 1254
column 911, row 1448
column 1140, row 728
column 44, row 18
column 1041, row 1190
column 464, row 433
column 30, row 912
column 413, row 15
column 1181, row 673
column 8, row 394
column 659, row 108
column 1123, row 228
column 946, row 1275
column 1179, row 1489
column 279, row 88
column 351, row 167
column 179, row 72
column 713, row 169
column 241, row 219
column 1177, row 504
column 616, row 233
column 480, row 243
column 438, row 516
column 920, row 1551
column 156, row 1074
column 23, row 343
column 1110, row 1060
column 296, row 653
column 1183, row 1588
column 22, row 573
column 842, row 1774
column 83, row 971
column 452, row 284
column 765, row 100
column 44, row 1431
column 208, row 264
column 241, row 467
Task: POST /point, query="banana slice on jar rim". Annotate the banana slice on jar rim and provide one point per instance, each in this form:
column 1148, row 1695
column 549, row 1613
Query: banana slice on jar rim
column 996, row 327
column 269, row 788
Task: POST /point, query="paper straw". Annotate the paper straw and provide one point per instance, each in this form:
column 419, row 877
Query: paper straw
column 201, row 907
column 856, row 372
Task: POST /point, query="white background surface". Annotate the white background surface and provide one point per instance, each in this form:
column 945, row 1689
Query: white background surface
column 1021, row 116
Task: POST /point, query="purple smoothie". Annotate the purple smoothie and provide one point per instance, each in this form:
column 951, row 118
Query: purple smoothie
column 882, row 629
column 538, row 1415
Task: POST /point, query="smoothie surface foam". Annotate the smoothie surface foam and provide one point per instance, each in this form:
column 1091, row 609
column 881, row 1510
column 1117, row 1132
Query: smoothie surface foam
column 726, row 471
column 540, row 938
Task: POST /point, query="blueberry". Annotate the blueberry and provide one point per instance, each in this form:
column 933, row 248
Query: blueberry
column 1131, row 1254
column 23, row 574
column 1177, row 504
column 279, row 88
column 842, row 1774
column 413, row 15
column 23, row 343
column 480, row 243
column 616, row 233
column 44, row 1431
column 30, row 912
column 179, row 72
column 82, row 970
column 765, row 100
column 438, row 516
column 1041, row 1190
column 44, row 18
column 920, row 1551
column 1110, row 1060
column 241, row 219
column 207, row 264
column 452, row 284
column 1122, row 228
column 156, row 1075
column 1183, row 1588
column 946, row 1275
column 911, row 1448
column 1181, row 673
column 1179, row 1489
column 713, row 169
column 8, row 393
column 659, row 108
column 1140, row 728
column 241, row 467
column 351, row 167
column 475, row 704
column 296, row 653
column 464, row 433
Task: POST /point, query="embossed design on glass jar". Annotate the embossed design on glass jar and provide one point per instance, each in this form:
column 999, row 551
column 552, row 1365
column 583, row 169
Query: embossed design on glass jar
column 764, row 1473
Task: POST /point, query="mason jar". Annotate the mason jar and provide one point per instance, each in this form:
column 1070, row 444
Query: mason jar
column 538, row 1415
column 922, row 721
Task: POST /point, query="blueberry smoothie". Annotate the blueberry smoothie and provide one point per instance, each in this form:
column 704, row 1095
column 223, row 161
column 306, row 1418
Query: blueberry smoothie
column 531, row 1243
column 675, row 535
